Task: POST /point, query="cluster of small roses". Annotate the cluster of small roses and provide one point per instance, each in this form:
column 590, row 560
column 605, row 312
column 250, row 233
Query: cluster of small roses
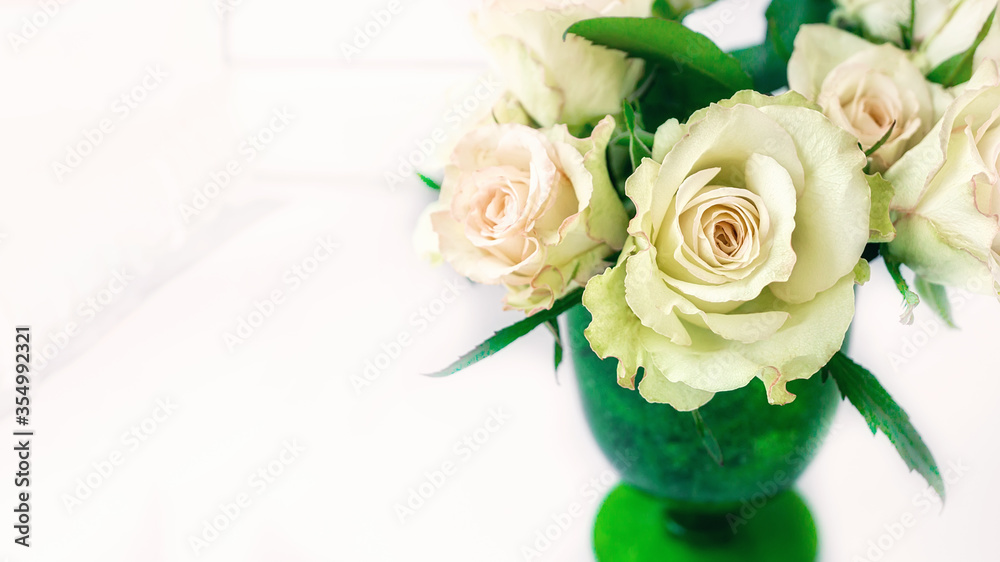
column 738, row 238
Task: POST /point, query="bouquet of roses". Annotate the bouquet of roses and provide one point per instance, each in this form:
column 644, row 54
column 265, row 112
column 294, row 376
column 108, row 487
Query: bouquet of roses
column 636, row 168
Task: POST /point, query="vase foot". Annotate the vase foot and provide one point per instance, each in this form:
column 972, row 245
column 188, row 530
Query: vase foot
column 633, row 526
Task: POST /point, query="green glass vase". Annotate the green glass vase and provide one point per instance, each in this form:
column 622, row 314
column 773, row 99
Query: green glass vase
column 676, row 502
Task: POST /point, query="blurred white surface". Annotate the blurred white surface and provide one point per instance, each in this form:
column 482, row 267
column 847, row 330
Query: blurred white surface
column 170, row 415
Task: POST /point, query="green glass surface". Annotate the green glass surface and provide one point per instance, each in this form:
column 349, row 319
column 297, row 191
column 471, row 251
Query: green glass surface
column 632, row 527
column 669, row 474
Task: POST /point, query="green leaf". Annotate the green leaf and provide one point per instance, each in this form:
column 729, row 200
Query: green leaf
column 667, row 43
column 662, row 9
column 623, row 139
column 645, row 137
column 881, row 227
column 880, row 411
column 958, row 69
column 767, row 68
column 910, row 299
column 620, row 166
column 629, row 113
column 707, row 438
column 937, row 297
column 907, row 30
column 553, row 325
column 430, row 183
column 676, row 92
column 784, row 17
column 510, row 334
column 637, row 149
column 881, row 141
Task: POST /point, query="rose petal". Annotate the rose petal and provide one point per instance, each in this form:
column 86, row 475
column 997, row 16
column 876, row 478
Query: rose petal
column 833, row 209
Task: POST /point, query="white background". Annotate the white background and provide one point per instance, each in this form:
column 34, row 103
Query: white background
column 161, row 337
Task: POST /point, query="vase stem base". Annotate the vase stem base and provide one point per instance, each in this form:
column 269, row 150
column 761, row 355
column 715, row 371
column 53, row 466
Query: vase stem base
column 633, row 526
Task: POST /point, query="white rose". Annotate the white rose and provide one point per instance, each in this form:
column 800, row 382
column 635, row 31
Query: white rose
column 573, row 81
column 877, row 19
column 533, row 210
column 947, row 200
column 866, row 89
column 943, row 29
column 750, row 221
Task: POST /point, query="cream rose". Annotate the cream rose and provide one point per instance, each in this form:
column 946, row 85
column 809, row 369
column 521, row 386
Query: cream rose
column 573, row 81
column 877, row 19
column 533, row 210
column 750, row 222
column 945, row 28
column 866, row 89
column 947, row 200
column 941, row 28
